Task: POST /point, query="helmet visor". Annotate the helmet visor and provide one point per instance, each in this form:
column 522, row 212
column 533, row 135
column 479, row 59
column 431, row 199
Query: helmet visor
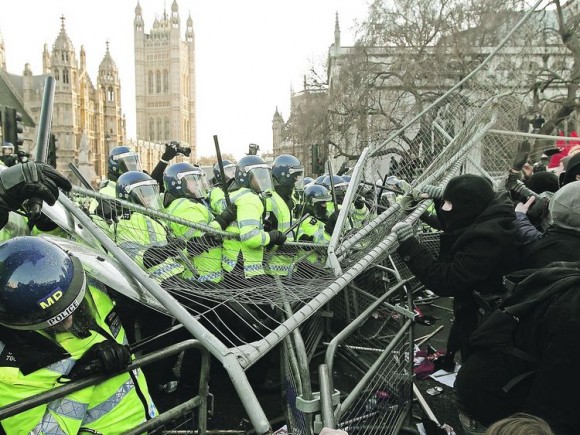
column 146, row 193
column 230, row 171
column 128, row 162
column 193, row 184
column 297, row 175
column 260, row 178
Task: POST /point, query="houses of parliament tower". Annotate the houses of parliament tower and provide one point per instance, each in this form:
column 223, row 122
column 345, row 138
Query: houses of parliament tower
column 165, row 79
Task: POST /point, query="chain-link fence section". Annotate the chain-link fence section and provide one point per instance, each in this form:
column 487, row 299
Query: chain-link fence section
column 301, row 295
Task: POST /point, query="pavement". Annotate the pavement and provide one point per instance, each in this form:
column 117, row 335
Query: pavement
column 229, row 415
column 443, row 404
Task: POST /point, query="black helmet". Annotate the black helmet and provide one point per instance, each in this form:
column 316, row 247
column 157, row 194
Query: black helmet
column 183, row 180
column 40, row 283
column 121, row 160
column 7, row 148
column 316, row 197
column 340, row 186
column 253, row 172
column 139, row 188
column 229, row 171
column 288, row 171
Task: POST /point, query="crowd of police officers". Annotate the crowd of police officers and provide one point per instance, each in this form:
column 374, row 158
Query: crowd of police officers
column 58, row 324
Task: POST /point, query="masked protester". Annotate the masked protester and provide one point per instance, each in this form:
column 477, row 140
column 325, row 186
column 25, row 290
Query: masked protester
column 57, row 324
column 477, row 248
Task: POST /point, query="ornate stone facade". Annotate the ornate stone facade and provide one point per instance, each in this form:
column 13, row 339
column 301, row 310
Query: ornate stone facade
column 165, row 80
column 82, row 112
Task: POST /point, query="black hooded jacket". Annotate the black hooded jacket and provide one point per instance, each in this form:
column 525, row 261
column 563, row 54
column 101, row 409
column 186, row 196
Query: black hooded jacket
column 473, row 258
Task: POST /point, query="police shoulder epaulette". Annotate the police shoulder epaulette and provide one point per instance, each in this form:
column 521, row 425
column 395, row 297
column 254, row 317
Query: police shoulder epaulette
column 313, row 221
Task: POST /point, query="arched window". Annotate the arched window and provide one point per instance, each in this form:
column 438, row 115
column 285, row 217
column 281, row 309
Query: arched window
column 159, row 129
column 150, row 82
column 110, row 94
column 167, row 132
column 165, row 81
column 158, row 81
column 65, row 79
column 56, row 74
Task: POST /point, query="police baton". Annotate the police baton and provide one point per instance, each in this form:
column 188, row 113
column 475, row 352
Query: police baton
column 222, row 171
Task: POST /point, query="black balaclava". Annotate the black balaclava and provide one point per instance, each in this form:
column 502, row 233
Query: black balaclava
column 469, row 195
column 543, row 181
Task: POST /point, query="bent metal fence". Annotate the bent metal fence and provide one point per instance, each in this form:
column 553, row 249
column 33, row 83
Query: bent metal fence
column 352, row 296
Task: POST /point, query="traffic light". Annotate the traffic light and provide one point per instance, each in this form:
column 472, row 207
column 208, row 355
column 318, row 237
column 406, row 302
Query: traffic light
column 317, row 161
column 12, row 127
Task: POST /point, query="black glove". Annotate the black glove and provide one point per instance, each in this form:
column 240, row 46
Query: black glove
column 270, row 222
column 521, row 157
column 29, row 180
column 204, row 243
column 331, row 222
column 276, row 238
column 109, row 209
column 227, row 216
column 359, row 203
column 343, row 169
column 170, row 151
column 157, row 254
column 104, row 357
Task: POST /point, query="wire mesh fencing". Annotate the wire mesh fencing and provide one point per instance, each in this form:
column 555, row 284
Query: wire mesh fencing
column 301, row 295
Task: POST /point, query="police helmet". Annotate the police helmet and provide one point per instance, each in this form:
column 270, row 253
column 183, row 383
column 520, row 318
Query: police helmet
column 346, row 178
column 253, row 172
column 139, row 188
column 7, row 149
column 319, row 180
column 229, row 171
column 288, row 171
column 40, row 284
column 121, row 160
column 316, row 197
column 183, row 180
column 308, row 181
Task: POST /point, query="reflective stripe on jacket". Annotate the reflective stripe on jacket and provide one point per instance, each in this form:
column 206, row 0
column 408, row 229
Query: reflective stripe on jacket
column 139, row 232
column 208, row 264
column 112, row 406
column 253, row 238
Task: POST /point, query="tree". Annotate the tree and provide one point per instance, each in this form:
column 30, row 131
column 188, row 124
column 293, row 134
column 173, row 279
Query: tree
column 212, row 160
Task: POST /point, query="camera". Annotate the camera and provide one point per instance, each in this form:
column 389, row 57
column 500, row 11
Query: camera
column 186, row 151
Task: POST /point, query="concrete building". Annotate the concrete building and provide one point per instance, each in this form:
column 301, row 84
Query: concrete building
column 165, row 80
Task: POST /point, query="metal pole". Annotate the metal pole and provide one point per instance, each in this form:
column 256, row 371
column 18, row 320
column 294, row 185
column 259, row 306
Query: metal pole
column 326, row 398
column 44, row 124
column 222, row 171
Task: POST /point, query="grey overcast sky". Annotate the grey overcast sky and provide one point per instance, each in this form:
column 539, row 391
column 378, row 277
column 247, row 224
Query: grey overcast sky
column 249, row 53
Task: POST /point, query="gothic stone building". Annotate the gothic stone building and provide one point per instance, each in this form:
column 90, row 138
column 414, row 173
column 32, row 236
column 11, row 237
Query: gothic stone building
column 165, row 80
column 82, row 112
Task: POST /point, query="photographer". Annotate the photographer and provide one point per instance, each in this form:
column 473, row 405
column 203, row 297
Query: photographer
column 172, row 149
